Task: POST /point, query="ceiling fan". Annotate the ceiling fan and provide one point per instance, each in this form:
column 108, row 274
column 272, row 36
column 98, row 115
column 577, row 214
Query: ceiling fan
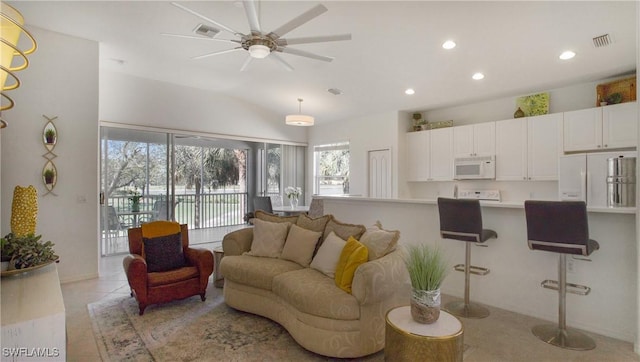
column 260, row 44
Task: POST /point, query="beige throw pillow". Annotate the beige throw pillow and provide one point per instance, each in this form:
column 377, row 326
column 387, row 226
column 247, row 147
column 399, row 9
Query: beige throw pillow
column 326, row 260
column 300, row 245
column 343, row 230
column 268, row 238
column 315, row 224
column 380, row 242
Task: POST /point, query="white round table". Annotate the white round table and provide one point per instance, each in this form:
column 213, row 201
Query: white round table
column 408, row 340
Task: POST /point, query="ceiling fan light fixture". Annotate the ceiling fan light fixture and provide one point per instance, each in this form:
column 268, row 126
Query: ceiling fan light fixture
column 259, row 51
column 299, row 119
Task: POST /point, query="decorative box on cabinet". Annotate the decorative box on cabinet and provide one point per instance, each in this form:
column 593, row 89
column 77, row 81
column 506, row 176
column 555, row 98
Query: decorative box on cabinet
column 528, row 148
column 429, row 155
column 609, row 127
column 474, row 140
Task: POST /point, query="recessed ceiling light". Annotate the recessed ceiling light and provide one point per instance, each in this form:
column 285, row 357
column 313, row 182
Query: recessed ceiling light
column 449, row 44
column 567, row 54
column 409, row 91
column 478, row 76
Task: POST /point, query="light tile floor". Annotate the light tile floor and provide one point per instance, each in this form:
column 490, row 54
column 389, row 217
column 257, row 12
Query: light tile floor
column 503, row 336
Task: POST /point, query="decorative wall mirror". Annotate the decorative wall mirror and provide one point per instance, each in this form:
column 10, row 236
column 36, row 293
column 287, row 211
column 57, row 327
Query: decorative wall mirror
column 50, row 136
column 49, row 176
column 49, row 140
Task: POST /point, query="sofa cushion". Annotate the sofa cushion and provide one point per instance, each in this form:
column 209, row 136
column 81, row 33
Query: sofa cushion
column 268, row 238
column 311, row 292
column 353, row 255
column 326, row 260
column 172, row 276
column 315, row 224
column 300, row 245
column 344, row 231
column 265, row 216
column 380, row 242
column 255, row 271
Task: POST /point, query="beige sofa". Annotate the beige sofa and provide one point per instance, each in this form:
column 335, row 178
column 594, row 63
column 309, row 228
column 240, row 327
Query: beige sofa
column 320, row 316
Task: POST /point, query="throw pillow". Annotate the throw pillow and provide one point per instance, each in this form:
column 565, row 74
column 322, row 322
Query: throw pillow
column 163, row 253
column 268, row 238
column 352, row 256
column 326, row 260
column 314, row 224
column 265, row 216
column 300, row 245
column 343, row 230
column 380, row 242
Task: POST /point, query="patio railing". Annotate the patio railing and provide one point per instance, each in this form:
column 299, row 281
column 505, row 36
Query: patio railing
column 208, row 211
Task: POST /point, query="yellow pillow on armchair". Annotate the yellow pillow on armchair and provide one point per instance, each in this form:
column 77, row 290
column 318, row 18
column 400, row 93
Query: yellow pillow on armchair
column 353, row 255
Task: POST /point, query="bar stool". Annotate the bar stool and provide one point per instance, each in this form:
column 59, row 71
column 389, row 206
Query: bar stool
column 462, row 220
column 561, row 227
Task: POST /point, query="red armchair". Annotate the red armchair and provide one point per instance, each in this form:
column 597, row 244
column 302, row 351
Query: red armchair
column 165, row 286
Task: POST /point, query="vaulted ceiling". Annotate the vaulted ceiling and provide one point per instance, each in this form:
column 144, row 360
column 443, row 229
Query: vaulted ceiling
column 395, row 45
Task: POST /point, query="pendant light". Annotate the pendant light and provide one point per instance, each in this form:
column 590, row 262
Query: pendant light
column 299, row 119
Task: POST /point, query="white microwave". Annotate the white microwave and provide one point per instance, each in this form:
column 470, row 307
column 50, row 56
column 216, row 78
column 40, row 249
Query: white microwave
column 474, row 168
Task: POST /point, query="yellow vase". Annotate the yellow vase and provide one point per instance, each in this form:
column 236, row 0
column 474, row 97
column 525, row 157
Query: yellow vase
column 24, row 210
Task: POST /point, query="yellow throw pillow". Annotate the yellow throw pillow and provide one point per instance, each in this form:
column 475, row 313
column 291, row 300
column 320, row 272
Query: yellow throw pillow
column 353, row 255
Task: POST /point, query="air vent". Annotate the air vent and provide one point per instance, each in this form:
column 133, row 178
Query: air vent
column 334, row 91
column 602, row 41
column 205, row 30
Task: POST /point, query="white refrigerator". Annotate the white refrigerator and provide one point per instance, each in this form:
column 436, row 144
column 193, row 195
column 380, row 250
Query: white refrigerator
column 583, row 177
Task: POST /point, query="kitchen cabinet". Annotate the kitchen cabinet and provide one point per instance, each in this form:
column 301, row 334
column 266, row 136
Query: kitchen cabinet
column 608, row 127
column 429, row 155
column 528, row 148
column 474, row 140
column 418, row 156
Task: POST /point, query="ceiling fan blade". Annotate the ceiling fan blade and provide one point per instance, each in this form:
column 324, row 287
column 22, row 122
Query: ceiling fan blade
column 217, row 53
column 207, row 19
column 303, row 53
column 201, row 38
column 278, row 59
column 297, row 21
column 252, row 16
column 246, row 63
column 313, row 39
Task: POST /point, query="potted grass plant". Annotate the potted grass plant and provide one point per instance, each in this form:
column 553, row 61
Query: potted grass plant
column 427, row 269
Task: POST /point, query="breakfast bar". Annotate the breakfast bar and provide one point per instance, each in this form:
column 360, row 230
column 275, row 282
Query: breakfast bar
column 516, row 272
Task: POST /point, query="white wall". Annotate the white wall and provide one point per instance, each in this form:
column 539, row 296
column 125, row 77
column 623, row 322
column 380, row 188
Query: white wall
column 364, row 134
column 62, row 80
column 132, row 100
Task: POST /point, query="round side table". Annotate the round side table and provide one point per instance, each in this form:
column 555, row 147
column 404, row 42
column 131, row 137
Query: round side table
column 408, row 340
column 218, row 280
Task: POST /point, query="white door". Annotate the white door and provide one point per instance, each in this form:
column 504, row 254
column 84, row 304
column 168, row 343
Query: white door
column 380, row 174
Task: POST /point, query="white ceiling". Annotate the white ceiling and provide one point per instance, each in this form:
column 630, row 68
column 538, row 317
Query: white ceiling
column 395, row 45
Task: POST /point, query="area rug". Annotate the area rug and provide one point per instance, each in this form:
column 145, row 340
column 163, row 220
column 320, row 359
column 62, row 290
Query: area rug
column 192, row 330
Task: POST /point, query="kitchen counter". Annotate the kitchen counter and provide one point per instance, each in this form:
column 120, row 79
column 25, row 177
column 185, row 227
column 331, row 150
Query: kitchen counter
column 483, row 203
column 516, row 271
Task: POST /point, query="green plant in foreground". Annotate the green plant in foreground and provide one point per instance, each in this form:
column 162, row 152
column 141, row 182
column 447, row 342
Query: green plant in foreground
column 27, row 251
column 426, row 265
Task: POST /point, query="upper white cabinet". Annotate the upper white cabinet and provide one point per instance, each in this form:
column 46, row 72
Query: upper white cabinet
column 440, row 154
column 614, row 126
column 418, row 156
column 430, row 155
column 474, row 140
column 528, row 148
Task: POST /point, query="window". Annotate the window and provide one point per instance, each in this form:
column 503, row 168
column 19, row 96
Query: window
column 331, row 173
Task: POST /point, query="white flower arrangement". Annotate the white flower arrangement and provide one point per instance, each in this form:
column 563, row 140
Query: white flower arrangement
column 293, row 192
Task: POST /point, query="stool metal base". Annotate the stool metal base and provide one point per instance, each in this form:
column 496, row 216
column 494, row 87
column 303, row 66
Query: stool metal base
column 470, row 310
column 568, row 338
